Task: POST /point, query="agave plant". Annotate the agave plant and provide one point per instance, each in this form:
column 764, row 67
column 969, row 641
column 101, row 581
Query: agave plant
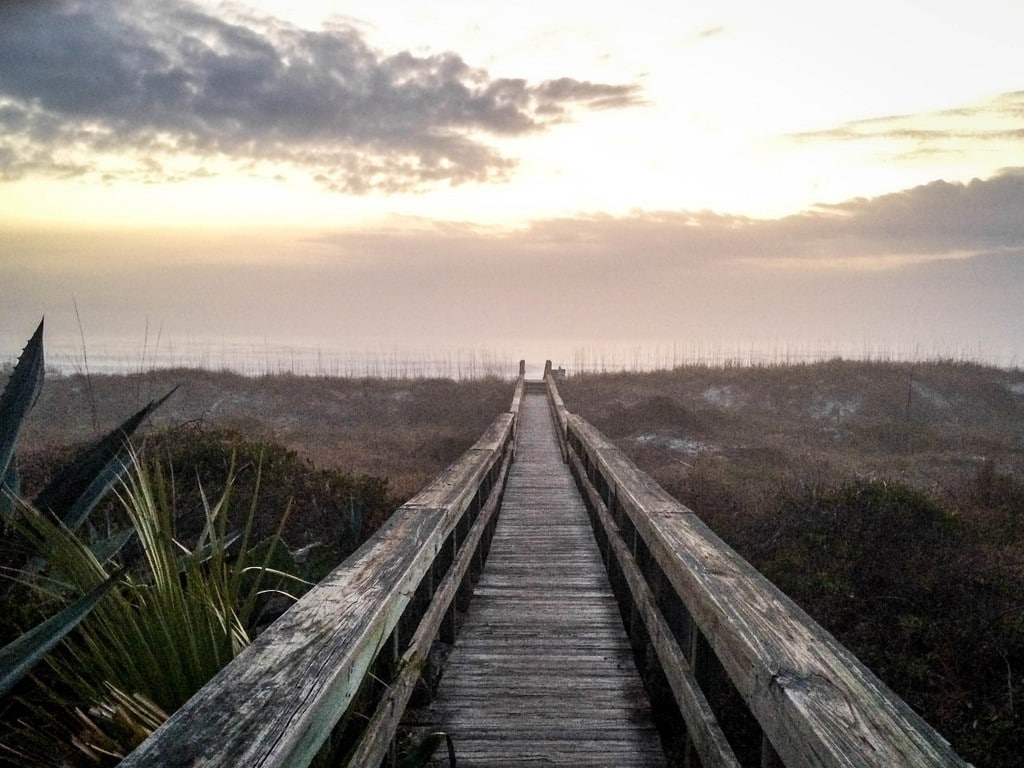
column 69, row 498
column 151, row 625
column 169, row 624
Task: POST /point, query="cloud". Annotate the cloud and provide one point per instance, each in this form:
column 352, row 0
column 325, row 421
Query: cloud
column 940, row 217
column 938, row 263
column 708, row 33
column 138, row 81
column 944, row 132
column 553, row 94
column 934, row 221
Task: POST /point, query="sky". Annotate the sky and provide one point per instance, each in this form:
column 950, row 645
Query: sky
column 534, row 179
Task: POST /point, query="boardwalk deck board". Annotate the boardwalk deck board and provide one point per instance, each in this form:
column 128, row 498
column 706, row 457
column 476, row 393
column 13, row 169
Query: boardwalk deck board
column 542, row 672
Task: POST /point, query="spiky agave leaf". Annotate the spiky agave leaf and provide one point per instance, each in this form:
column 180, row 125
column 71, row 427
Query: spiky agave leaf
column 20, row 655
column 106, row 549
column 19, row 396
column 78, row 487
column 168, row 628
column 10, row 487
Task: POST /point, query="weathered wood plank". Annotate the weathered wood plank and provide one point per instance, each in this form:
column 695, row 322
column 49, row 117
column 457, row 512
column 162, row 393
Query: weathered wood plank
column 380, row 730
column 558, row 412
column 704, row 731
column 277, row 702
column 458, row 483
column 542, row 672
column 517, row 395
column 815, row 701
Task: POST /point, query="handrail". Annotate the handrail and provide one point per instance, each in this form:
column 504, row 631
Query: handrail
column 558, row 410
column 279, row 702
column 815, row 702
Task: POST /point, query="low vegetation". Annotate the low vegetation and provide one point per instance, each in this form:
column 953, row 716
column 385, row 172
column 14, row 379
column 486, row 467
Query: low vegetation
column 402, row 430
column 244, row 492
column 887, row 499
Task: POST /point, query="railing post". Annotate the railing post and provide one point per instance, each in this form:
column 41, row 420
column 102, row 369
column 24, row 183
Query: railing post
column 425, row 591
column 718, row 626
column 448, row 626
column 465, row 591
column 769, row 757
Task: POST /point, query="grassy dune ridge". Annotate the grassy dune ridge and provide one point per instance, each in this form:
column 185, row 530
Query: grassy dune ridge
column 932, row 425
column 331, row 457
column 405, row 430
column 886, row 498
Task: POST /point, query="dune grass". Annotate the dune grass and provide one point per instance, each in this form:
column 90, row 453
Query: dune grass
column 174, row 582
column 404, row 430
column 886, row 498
column 180, row 612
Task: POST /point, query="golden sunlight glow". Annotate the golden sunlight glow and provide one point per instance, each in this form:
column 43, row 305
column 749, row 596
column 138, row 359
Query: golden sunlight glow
column 468, row 174
column 749, row 108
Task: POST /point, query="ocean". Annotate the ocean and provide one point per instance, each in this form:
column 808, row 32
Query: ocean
column 68, row 355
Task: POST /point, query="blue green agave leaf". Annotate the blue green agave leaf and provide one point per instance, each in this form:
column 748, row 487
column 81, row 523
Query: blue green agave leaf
column 20, row 655
column 19, row 396
column 77, row 488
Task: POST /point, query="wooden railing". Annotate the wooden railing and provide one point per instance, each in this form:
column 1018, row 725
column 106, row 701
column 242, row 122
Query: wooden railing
column 700, row 618
column 356, row 641
column 332, row 677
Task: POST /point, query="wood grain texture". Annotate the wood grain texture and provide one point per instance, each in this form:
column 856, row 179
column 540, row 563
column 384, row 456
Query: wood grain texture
column 377, row 738
column 816, row 702
column 706, row 734
column 542, row 672
column 278, row 701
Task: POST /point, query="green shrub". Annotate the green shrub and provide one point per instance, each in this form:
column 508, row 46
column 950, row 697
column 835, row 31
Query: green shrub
column 889, row 572
column 658, row 412
column 177, row 616
column 161, row 585
column 69, row 497
column 328, row 506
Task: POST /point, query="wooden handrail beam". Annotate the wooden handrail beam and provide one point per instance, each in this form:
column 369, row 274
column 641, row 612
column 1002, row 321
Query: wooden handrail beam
column 277, row 703
column 817, row 704
column 703, row 728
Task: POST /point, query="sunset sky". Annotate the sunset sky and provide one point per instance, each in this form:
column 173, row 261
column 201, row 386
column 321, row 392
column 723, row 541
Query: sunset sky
column 533, row 178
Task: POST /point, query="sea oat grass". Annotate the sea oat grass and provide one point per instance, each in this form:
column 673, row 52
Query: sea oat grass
column 886, row 498
column 179, row 615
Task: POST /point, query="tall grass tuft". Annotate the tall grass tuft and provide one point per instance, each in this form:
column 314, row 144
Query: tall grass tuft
column 70, row 497
column 179, row 614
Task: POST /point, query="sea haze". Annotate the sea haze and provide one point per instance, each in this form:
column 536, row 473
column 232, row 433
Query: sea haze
column 934, row 271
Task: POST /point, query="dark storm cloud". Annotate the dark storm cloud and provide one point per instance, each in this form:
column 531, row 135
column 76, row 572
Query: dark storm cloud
column 145, row 78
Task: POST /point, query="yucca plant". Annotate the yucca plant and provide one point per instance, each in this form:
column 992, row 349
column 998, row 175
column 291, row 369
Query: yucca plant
column 136, row 630
column 173, row 620
column 69, row 498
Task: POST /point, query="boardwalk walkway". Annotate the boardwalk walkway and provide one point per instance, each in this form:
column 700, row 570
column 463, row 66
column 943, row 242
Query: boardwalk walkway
column 542, row 672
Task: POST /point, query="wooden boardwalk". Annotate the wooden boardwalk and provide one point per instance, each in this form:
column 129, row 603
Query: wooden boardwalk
column 542, row 672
